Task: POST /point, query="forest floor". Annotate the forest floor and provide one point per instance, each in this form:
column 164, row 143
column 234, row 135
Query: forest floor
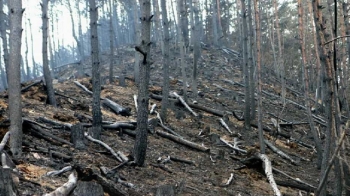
column 205, row 173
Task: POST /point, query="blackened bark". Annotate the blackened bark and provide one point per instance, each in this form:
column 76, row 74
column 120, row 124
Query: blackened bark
column 4, row 38
column 96, row 81
column 47, row 73
column 246, row 67
column 140, row 146
column 166, row 61
column 14, row 76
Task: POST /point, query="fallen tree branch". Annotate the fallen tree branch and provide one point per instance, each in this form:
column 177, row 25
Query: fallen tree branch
column 182, row 141
column 292, row 178
column 234, row 147
column 330, row 163
column 58, row 172
column 66, row 188
column 268, row 172
column 4, row 140
column 279, row 152
column 118, row 125
column 119, row 156
column 83, row 87
column 225, row 126
column 116, row 108
column 184, row 103
column 55, row 123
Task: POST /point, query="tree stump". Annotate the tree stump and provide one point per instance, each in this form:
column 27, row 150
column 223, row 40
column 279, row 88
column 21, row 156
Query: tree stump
column 165, row 190
column 90, row 188
column 77, row 136
column 7, row 186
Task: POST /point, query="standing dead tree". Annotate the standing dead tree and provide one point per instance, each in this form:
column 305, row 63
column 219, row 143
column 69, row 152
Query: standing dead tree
column 144, row 49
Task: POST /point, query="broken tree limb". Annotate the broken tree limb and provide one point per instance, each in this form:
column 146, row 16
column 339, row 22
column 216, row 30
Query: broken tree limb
column 234, row 147
column 153, row 108
column 184, row 103
column 116, row 108
column 58, row 172
column 83, row 87
column 225, row 125
column 55, row 123
column 41, row 131
column 4, row 140
column 135, row 101
column 160, row 122
column 330, row 163
column 118, row 125
column 31, row 85
column 268, row 172
column 182, row 141
column 196, row 106
column 119, row 156
column 279, row 152
column 52, row 153
column 292, row 178
column 177, row 159
column 66, row 188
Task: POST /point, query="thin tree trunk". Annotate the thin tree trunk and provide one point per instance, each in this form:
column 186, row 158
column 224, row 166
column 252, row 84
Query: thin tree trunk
column 14, row 77
column 96, row 81
column 75, row 36
column 306, row 85
column 166, row 61
column 4, row 38
column 140, row 146
column 182, row 47
column 280, row 54
column 111, row 43
column 258, row 62
column 318, row 62
column 47, row 73
column 35, row 72
column 246, row 67
column 196, row 49
column 330, row 99
column 251, row 60
column 26, row 53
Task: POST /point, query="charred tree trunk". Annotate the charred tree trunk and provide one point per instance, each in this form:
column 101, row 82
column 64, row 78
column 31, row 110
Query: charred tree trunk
column 246, row 67
column 166, row 61
column 330, row 99
column 4, row 38
column 14, row 76
column 96, row 81
column 306, row 85
column 258, row 61
column 140, row 146
column 47, row 73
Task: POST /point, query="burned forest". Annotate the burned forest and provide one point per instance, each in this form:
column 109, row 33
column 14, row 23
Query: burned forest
column 174, row 97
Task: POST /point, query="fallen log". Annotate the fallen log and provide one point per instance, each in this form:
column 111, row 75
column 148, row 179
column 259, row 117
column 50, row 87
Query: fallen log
column 121, row 125
column 184, row 103
column 196, row 106
column 41, row 131
column 182, row 141
column 58, row 172
column 4, row 140
column 116, row 108
column 83, row 87
column 279, row 152
column 55, row 123
column 87, row 174
column 66, row 188
column 268, row 172
column 118, row 155
column 52, row 153
column 7, row 184
column 89, row 188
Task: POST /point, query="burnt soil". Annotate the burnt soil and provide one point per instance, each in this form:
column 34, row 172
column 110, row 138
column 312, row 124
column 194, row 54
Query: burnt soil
column 210, row 170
